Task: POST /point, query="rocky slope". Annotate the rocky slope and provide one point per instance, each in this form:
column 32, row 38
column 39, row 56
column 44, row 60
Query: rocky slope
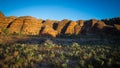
column 28, row 25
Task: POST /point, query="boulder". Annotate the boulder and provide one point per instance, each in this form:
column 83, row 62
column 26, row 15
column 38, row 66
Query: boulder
column 70, row 28
column 47, row 30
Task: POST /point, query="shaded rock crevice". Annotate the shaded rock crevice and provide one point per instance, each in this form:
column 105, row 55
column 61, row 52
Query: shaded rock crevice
column 9, row 25
column 65, row 27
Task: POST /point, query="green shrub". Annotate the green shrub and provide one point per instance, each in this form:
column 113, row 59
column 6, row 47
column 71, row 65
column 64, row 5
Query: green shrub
column 5, row 31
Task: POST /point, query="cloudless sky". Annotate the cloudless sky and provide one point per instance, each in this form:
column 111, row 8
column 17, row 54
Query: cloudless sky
column 62, row 9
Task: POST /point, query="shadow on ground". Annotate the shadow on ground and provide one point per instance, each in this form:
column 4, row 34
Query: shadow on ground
column 83, row 40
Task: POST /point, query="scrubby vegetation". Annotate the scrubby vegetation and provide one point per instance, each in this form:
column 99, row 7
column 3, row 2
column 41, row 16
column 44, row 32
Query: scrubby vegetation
column 51, row 55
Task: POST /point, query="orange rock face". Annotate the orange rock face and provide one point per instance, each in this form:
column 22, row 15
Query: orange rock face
column 78, row 27
column 49, row 23
column 117, row 26
column 100, row 25
column 80, row 23
column 5, row 22
column 62, row 26
column 70, row 28
column 15, row 26
column 2, row 22
column 31, row 26
column 28, row 25
column 93, row 22
column 47, row 30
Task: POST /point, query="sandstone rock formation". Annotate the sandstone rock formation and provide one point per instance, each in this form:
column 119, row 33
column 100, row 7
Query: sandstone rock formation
column 62, row 26
column 47, row 30
column 49, row 23
column 5, row 22
column 31, row 26
column 112, row 21
column 70, row 28
column 27, row 25
column 15, row 26
column 78, row 27
column 117, row 26
column 100, row 24
column 1, row 14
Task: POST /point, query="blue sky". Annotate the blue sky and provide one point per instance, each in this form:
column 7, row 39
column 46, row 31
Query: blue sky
column 62, row 9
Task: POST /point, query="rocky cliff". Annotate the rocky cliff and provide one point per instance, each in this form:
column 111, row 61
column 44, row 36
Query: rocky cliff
column 28, row 25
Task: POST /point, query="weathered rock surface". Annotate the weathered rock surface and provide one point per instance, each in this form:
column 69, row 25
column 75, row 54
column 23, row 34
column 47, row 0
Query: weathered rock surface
column 70, row 28
column 117, row 26
column 62, row 25
column 15, row 26
column 31, row 26
column 78, row 27
column 112, row 21
column 49, row 22
column 99, row 26
column 28, row 25
column 5, row 22
column 47, row 30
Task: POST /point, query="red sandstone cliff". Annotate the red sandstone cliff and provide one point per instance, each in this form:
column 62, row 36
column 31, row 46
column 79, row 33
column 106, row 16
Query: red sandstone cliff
column 28, row 25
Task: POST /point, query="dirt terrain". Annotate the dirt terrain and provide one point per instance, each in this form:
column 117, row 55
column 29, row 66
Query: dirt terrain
column 82, row 40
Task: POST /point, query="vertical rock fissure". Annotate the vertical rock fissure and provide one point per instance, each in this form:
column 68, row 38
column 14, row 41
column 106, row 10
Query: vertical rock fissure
column 55, row 25
column 8, row 26
column 65, row 27
column 23, row 24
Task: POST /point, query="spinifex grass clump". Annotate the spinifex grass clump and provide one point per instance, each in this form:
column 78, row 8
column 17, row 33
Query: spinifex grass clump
column 59, row 56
